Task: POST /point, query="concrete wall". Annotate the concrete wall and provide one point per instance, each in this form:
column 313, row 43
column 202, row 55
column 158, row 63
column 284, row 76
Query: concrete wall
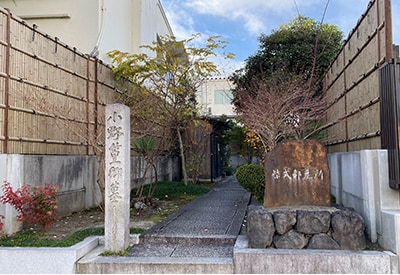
column 236, row 161
column 75, row 175
column 360, row 180
column 168, row 169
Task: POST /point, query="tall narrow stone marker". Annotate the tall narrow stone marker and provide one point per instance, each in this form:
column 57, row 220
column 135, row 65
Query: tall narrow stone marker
column 117, row 177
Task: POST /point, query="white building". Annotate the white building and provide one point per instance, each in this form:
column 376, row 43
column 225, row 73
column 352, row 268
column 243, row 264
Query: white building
column 96, row 26
column 214, row 97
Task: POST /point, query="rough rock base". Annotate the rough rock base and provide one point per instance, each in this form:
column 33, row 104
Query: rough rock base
column 308, row 227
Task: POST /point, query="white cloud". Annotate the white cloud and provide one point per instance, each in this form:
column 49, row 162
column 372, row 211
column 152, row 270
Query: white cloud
column 226, row 66
column 252, row 14
column 180, row 20
column 257, row 16
column 241, row 21
column 183, row 26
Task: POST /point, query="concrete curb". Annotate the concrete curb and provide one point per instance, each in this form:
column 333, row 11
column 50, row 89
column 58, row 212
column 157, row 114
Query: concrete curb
column 247, row 261
column 53, row 260
column 92, row 263
column 281, row 261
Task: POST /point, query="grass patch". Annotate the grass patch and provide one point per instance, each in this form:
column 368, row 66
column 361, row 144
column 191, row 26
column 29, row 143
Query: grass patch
column 118, row 253
column 167, row 190
column 31, row 239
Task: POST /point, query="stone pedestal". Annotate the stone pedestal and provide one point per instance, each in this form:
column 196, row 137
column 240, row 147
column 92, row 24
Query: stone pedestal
column 305, row 227
column 117, row 178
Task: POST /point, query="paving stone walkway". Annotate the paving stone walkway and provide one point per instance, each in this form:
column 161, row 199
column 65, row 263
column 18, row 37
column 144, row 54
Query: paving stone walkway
column 199, row 238
column 206, row 227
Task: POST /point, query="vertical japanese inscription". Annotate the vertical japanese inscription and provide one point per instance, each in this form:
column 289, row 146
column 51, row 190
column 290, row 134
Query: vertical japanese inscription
column 114, row 173
column 117, row 176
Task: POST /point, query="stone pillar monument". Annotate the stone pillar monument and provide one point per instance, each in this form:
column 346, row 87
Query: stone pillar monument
column 117, row 177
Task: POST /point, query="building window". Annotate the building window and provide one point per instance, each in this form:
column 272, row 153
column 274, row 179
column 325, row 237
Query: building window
column 222, row 97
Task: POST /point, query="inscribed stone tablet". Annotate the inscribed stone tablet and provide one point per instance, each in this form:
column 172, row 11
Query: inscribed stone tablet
column 297, row 173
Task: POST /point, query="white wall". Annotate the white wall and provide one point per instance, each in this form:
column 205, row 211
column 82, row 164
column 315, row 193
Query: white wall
column 117, row 27
column 78, row 27
column 360, row 180
column 206, row 100
column 75, row 175
column 153, row 21
column 86, row 24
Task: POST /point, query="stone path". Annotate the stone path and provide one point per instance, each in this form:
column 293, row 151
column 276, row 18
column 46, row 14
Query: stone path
column 206, row 227
column 199, row 238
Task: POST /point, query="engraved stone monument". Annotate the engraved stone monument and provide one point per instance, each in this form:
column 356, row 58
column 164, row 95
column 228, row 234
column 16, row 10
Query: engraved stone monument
column 117, row 177
column 297, row 173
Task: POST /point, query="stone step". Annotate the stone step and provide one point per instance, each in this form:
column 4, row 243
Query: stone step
column 211, row 264
column 181, row 250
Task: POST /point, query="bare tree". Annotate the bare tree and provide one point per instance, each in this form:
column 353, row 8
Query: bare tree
column 282, row 106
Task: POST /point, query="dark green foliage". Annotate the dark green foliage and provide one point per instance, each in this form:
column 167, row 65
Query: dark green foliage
column 252, row 178
column 302, row 47
column 228, row 171
column 144, row 145
column 238, row 141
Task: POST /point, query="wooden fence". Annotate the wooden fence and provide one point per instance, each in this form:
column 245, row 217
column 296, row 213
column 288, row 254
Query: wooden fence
column 53, row 97
column 352, row 82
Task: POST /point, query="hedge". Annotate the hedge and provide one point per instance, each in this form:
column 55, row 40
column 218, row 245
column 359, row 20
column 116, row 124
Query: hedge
column 252, row 178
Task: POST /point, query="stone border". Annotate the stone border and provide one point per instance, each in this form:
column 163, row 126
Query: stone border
column 275, row 261
column 53, row 260
column 245, row 260
column 56, row 260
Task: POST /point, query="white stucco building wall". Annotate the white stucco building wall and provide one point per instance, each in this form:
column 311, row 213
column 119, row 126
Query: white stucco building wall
column 214, row 97
column 96, row 25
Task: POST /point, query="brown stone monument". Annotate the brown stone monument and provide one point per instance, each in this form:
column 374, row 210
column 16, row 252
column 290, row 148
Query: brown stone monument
column 297, row 173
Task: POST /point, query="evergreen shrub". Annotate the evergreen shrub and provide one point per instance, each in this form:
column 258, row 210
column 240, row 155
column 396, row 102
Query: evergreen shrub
column 252, row 178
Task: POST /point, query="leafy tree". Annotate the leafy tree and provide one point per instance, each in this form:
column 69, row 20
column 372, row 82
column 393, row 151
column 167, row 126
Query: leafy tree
column 278, row 92
column 166, row 82
column 145, row 147
column 301, row 47
column 239, row 140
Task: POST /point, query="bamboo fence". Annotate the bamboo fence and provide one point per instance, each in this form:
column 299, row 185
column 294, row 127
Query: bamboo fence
column 352, row 82
column 53, row 97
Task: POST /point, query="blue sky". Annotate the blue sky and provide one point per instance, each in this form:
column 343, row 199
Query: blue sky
column 240, row 22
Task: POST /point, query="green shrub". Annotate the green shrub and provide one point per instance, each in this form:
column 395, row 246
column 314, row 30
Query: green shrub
column 252, row 178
